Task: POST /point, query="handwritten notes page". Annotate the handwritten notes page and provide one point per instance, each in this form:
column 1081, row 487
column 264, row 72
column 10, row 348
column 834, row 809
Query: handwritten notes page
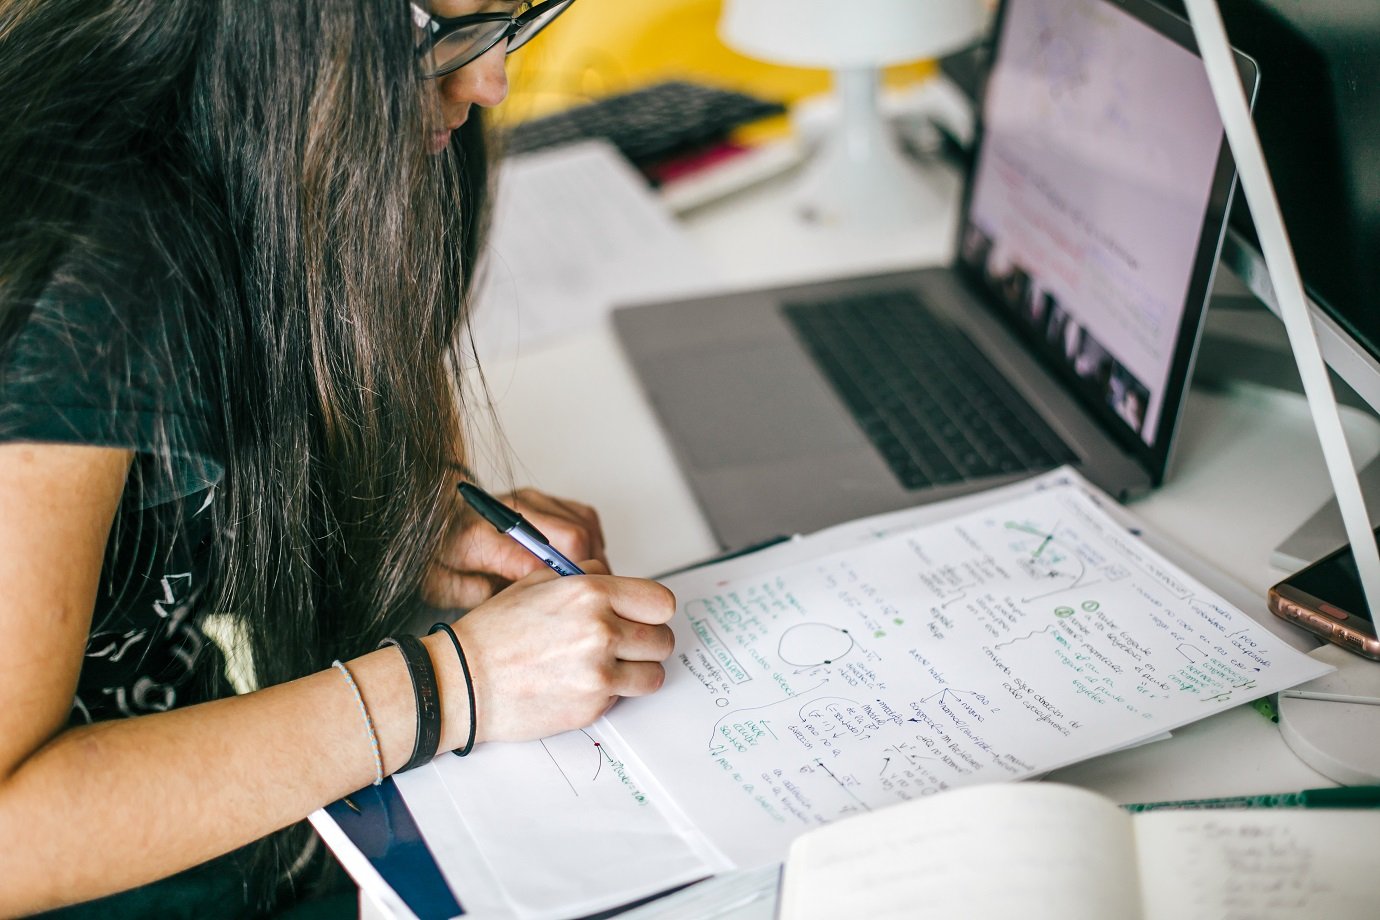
column 1261, row 864
column 996, row 645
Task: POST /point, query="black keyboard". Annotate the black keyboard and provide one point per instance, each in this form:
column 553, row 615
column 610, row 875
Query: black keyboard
column 928, row 399
column 648, row 125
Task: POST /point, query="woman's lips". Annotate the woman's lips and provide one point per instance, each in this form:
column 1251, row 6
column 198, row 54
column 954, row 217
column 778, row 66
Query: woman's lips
column 441, row 139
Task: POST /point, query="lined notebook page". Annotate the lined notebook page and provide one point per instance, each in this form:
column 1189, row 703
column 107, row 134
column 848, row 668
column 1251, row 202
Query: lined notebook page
column 992, row 852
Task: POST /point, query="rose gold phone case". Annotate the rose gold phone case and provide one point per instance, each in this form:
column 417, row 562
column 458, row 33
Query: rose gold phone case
column 1334, row 624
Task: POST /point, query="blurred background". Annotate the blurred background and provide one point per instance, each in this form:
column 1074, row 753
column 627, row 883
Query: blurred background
column 606, row 47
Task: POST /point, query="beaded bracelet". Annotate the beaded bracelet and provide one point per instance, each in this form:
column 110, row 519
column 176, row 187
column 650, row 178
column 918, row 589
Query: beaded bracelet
column 426, row 696
column 368, row 722
column 469, row 684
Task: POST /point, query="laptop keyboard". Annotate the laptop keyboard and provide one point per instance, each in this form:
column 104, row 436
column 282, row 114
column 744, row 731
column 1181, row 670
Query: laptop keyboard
column 926, row 397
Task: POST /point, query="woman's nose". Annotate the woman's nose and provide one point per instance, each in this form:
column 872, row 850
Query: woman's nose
column 482, row 81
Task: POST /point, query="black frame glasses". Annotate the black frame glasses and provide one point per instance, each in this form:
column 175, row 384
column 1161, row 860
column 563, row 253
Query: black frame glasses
column 518, row 30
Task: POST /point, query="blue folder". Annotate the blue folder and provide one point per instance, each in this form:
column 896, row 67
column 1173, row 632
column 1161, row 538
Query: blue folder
column 378, row 823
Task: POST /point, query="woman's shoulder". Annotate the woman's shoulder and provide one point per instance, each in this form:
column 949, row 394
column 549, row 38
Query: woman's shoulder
column 109, row 356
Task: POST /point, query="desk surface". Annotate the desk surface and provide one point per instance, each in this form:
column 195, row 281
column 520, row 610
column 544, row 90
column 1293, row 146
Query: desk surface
column 1247, row 471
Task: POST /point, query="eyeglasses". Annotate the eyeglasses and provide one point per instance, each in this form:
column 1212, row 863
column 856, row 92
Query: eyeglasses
column 447, row 44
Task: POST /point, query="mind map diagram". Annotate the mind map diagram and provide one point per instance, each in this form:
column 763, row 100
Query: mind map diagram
column 853, row 680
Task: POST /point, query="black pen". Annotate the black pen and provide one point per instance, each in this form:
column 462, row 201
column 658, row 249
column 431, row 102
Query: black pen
column 516, row 526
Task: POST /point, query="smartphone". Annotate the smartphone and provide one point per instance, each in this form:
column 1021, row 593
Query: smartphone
column 1326, row 598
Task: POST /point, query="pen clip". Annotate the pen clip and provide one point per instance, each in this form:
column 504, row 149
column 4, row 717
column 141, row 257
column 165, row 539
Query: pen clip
column 530, row 530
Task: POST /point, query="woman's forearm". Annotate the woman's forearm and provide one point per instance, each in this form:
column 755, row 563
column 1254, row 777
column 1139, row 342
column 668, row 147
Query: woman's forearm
column 105, row 807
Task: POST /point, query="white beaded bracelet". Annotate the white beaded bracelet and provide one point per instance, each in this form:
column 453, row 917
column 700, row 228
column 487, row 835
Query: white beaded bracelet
column 368, row 722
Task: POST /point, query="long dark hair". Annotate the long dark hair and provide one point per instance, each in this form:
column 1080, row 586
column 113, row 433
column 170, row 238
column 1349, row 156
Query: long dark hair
column 270, row 158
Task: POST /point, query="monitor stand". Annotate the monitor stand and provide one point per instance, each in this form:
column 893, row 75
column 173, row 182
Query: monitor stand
column 1323, row 532
column 1244, row 343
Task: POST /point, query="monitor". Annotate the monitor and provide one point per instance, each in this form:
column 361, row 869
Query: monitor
column 1318, row 139
column 1318, row 115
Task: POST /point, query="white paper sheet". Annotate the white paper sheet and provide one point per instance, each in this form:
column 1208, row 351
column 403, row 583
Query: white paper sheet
column 997, row 645
column 564, row 829
column 576, row 230
column 836, row 673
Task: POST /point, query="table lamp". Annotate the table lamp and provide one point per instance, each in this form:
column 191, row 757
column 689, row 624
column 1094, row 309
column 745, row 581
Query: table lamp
column 859, row 176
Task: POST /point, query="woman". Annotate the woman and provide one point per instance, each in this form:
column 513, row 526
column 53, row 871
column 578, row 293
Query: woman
column 235, row 242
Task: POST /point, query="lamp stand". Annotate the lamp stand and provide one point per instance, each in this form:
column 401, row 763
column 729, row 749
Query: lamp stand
column 860, row 177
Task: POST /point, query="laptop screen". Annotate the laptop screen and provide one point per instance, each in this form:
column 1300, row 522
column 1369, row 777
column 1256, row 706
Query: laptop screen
column 1095, row 205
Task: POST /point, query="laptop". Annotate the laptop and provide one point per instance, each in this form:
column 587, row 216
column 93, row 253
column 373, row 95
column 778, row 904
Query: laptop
column 1064, row 331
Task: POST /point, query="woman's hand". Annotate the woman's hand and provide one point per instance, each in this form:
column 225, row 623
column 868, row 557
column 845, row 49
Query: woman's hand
column 551, row 654
column 476, row 561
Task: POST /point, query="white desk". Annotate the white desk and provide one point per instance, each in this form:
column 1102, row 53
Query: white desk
column 1248, row 470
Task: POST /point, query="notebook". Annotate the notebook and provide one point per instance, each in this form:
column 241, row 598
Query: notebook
column 1064, row 331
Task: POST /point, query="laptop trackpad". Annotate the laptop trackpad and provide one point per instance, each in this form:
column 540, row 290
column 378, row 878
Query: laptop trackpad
column 751, row 404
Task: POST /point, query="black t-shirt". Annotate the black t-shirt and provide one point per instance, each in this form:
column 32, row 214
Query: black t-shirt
column 115, row 371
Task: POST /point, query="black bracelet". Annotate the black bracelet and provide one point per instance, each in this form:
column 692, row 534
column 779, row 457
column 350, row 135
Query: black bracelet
column 427, row 697
column 469, row 684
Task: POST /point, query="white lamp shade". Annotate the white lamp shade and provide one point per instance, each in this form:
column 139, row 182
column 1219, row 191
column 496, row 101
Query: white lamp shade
column 834, row 34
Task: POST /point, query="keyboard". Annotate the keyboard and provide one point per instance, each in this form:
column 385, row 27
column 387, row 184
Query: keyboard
column 649, row 125
column 926, row 397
